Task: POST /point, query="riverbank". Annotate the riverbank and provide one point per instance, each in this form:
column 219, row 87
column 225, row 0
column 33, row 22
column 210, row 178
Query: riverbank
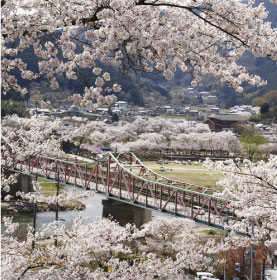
column 15, row 206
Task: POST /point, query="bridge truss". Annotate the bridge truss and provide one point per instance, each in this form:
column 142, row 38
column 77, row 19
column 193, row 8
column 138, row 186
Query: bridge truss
column 125, row 178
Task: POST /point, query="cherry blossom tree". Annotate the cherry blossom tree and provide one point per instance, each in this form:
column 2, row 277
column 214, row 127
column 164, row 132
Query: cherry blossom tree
column 223, row 141
column 253, row 189
column 161, row 249
column 28, row 137
column 157, row 134
column 25, row 138
column 202, row 37
column 105, row 250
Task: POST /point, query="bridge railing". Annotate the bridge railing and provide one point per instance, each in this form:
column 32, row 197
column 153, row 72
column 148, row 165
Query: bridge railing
column 112, row 179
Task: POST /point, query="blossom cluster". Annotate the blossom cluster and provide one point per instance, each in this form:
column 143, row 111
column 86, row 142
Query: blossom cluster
column 157, row 134
column 206, row 37
column 28, row 137
column 25, row 138
column 253, row 189
column 163, row 248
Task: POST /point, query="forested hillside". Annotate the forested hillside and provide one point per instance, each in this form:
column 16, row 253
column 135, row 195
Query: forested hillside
column 141, row 89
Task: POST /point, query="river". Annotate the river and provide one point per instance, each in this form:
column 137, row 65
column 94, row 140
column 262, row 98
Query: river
column 92, row 212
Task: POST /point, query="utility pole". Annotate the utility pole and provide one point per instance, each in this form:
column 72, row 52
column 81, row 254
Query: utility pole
column 252, row 253
column 34, row 224
column 34, row 220
column 225, row 261
column 57, row 204
column 226, row 252
column 243, row 264
column 263, row 270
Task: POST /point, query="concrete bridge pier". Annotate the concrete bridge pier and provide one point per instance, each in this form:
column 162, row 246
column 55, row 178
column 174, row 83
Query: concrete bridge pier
column 125, row 213
column 23, row 184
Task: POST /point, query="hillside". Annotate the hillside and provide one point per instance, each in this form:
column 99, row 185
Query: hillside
column 144, row 89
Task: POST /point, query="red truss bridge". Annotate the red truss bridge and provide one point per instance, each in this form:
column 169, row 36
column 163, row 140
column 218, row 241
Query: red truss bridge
column 125, row 178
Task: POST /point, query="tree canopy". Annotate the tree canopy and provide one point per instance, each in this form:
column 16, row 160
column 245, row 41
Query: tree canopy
column 201, row 37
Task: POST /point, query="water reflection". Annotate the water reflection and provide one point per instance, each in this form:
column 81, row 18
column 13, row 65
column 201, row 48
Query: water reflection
column 23, row 220
column 92, row 212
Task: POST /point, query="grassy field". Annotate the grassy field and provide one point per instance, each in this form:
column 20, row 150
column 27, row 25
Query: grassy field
column 48, row 187
column 193, row 174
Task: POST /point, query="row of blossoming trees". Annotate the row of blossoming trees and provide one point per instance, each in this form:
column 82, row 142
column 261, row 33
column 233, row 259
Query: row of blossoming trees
column 158, row 134
column 202, row 37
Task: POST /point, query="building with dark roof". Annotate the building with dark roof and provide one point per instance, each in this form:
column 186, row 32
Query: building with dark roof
column 221, row 122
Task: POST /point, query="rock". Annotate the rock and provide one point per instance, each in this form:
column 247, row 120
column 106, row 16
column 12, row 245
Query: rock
column 72, row 205
column 42, row 207
column 6, row 208
column 25, row 207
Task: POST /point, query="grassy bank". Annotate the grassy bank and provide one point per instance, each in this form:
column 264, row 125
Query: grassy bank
column 48, row 187
column 192, row 174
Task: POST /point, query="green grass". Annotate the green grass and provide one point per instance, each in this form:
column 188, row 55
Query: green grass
column 48, row 186
column 209, row 231
column 192, row 174
column 212, row 233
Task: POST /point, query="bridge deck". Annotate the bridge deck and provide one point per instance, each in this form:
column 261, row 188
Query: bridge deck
column 126, row 178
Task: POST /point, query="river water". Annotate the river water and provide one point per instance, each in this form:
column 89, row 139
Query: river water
column 92, row 212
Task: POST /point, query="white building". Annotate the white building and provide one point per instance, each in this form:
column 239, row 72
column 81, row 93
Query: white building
column 210, row 99
column 122, row 105
column 70, row 123
column 170, row 111
column 102, row 111
column 245, row 108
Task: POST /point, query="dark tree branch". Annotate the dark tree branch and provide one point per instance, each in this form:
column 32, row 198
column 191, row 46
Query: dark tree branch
column 192, row 10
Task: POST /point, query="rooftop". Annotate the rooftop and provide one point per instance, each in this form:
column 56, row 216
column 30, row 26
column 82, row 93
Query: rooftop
column 121, row 102
column 230, row 117
column 74, row 108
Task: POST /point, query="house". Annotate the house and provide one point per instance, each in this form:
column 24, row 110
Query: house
column 210, row 99
column 73, row 111
column 70, row 123
column 170, row 111
column 122, row 105
column 245, row 108
column 159, row 110
column 189, row 91
column 220, row 122
column 193, row 113
column 143, row 112
column 215, row 110
column 102, row 111
column 43, row 111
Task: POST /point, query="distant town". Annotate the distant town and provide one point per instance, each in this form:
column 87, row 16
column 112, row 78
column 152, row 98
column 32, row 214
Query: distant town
column 204, row 110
